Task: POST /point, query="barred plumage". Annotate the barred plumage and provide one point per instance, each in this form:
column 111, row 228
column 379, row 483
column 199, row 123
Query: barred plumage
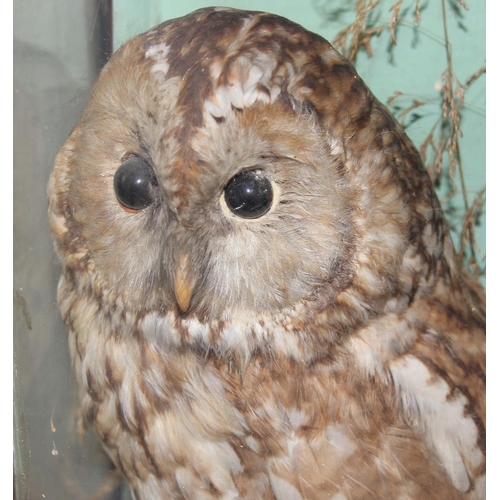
column 329, row 346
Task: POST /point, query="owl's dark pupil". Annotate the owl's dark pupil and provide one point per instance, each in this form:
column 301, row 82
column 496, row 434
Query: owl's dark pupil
column 249, row 194
column 133, row 183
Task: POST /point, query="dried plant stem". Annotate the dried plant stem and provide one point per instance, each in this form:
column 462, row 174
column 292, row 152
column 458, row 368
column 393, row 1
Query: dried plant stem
column 395, row 8
column 475, row 76
column 416, row 19
column 360, row 35
column 451, row 111
column 443, row 140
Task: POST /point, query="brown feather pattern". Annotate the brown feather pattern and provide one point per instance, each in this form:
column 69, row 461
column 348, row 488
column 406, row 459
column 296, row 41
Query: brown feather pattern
column 331, row 348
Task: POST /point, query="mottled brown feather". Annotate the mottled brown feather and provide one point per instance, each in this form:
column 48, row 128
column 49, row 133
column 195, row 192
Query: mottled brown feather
column 332, row 347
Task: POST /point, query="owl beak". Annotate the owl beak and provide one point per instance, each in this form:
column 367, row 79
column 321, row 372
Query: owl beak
column 183, row 283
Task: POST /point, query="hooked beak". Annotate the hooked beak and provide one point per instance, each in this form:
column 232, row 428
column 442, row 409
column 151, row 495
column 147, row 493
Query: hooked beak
column 183, row 283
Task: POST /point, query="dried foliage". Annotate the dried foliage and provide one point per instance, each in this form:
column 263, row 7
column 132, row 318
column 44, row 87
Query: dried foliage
column 359, row 33
column 440, row 149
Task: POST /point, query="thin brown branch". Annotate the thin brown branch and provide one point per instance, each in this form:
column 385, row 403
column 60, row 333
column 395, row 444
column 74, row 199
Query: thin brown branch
column 395, row 8
column 468, row 232
column 393, row 98
column 416, row 19
column 475, row 76
column 360, row 35
column 451, row 110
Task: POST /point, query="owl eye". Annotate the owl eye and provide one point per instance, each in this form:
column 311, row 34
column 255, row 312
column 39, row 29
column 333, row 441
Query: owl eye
column 249, row 194
column 133, row 183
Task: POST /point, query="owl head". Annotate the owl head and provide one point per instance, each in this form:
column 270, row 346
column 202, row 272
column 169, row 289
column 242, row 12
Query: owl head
column 232, row 161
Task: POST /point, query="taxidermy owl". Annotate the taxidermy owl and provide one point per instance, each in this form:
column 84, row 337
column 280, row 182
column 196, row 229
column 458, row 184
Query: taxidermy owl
column 262, row 297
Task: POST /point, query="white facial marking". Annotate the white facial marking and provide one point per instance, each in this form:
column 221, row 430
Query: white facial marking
column 159, row 54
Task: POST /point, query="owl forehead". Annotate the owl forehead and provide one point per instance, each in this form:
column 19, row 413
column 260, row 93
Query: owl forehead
column 213, row 64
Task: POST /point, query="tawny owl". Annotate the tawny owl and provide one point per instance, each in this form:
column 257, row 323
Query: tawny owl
column 262, row 297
